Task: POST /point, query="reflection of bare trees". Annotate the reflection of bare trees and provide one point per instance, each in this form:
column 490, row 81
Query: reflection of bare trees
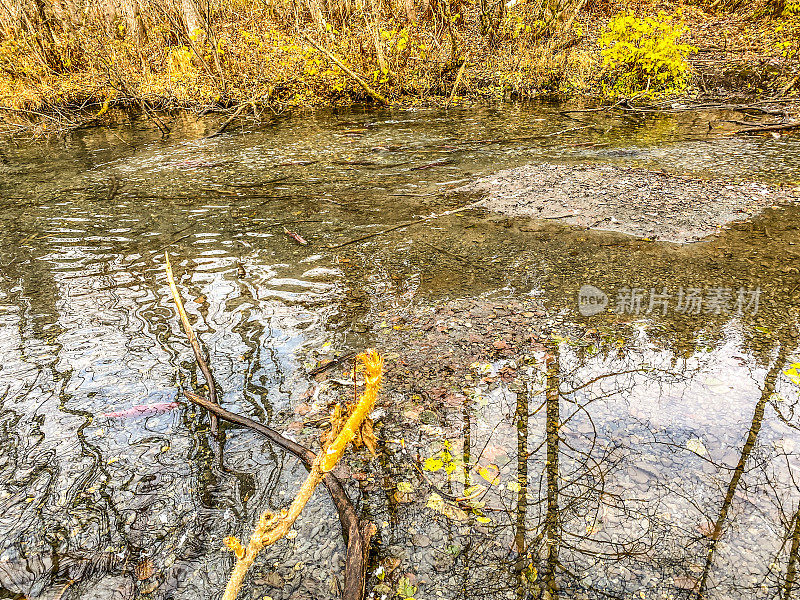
column 553, row 519
column 521, row 421
column 794, row 553
column 609, row 501
column 752, row 436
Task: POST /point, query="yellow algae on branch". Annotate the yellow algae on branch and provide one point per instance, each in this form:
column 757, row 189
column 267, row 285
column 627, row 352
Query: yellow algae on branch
column 272, row 527
column 373, row 372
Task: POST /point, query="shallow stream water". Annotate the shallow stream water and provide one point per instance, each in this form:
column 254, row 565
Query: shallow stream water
column 678, row 471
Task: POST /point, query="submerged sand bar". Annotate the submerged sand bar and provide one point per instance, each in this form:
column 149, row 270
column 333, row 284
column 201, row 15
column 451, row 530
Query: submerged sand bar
column 639, row 202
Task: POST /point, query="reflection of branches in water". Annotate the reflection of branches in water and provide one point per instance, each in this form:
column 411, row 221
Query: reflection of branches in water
column 553, row 519
column 577, row 524
column 563, row 501
column 521, row 422
column 747, row 449
column 794, row 554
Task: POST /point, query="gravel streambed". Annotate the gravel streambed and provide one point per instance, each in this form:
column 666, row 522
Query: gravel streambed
column 639, row 202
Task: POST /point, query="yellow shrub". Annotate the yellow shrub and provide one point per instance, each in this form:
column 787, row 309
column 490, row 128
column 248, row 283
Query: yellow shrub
column 643, row 57
column 180, row 61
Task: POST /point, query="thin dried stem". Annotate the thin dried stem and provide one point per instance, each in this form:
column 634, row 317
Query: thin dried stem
column 198, row 353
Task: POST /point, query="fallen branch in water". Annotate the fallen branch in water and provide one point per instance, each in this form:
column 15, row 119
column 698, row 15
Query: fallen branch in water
column 198, row 353
column 357, row 533
column 230, row 119
column 331, row 363
column 408, row 224
column 331, row 57
column 271, row 528
column 437, row 163
column 767, row 128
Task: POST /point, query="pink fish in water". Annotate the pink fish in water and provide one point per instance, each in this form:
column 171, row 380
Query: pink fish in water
column 143, row 410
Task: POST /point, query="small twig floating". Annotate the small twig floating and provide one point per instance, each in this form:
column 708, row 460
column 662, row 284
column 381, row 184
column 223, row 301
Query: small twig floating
column 272, row 527
column 198, row 353
column 330, row 364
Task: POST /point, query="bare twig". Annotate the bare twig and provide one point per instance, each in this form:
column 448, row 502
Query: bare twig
column 360, row 81
column 458, row 80
column 198, row 353
column 408, row 224
column 230, row 119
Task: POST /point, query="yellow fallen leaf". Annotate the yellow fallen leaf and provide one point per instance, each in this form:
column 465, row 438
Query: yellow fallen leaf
column 490, row 473
column 437, row 503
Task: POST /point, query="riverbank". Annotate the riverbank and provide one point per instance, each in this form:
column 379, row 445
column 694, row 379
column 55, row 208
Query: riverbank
column 263, row 64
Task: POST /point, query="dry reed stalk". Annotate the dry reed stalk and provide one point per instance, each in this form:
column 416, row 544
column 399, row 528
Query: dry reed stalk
column 198, row 354
column 272, row 527
column 364, row 85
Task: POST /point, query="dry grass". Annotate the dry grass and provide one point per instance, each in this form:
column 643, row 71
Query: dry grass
column 254, row 51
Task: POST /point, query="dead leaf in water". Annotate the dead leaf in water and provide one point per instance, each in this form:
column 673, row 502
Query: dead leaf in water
column 296, row 237
column 437, row 503
column 685, row 583
column 490, row 473
column 368, row 436
column 144, row 570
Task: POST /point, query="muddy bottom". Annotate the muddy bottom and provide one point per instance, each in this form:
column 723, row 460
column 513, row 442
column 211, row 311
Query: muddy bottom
column 640, row 202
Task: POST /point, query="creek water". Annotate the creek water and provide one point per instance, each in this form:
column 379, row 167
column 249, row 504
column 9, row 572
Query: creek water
column 675, row 430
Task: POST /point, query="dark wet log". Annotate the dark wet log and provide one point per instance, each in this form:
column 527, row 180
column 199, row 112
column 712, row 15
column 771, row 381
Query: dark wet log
column 357, row 533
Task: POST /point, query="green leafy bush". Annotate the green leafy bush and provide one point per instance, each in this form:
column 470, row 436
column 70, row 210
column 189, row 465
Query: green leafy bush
column 643, row 57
